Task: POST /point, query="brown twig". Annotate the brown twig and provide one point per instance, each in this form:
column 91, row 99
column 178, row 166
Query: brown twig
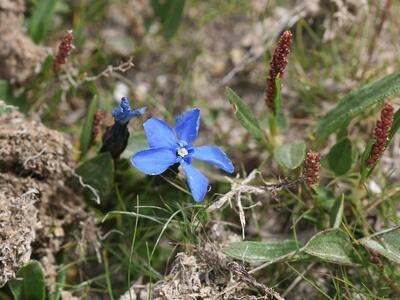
column 244, row 187
column 108, row 71
column 123, row 67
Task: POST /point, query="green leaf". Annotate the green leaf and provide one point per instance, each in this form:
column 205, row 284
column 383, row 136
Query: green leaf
column 385, row 243
column 290, row 156
column 355, row 103
column 137, row 141
column 29, row 283
column 258, row 252
column 395, row 127
column 282, row 121
column 364, row 159
column 60, row 278
column 332, row 245
column 340, row 157
column 173, row 18
column 342, row 134
column 86, row 132
column 160, row 9
column 41, row 19
column 244, row 115
column 4, row 90
column 98, row 172
column 324, row 196
column 278, row 95
column 337, row 212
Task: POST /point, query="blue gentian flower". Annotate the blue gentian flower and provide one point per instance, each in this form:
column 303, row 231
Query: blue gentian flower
column 123, row 112
column 116, row 136
column 168, row 147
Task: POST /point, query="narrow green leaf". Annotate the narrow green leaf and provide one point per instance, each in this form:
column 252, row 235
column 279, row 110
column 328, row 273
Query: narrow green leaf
column 278, row 95
column 98, row 172
column 243, row 114
column 29, row 283
column 290, row 156
column 60, row 278
column 340, row 157
column 258, row 252
column 173, row 18
column 282, row 121
column 365, row 156
column 337, row 212
column 386, row 243
column 4, row 90
column 41, row 19
column 86, row 132
column 332, row 245
column 160, row 9
column 355, row 103
column 395, row 126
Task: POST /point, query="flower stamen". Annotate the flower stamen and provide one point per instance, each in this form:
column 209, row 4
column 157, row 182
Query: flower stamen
column 182, row 152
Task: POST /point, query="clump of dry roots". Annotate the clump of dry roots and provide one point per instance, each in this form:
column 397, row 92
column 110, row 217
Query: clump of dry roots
column 36, row 203
column 207, row 274
column 20, row 58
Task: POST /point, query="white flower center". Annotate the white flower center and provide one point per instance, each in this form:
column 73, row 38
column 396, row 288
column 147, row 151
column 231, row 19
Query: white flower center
column 182, row 152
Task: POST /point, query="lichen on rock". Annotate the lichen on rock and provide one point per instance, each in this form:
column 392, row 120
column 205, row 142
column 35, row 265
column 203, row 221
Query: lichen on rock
column 36, row 201
column 18, row 218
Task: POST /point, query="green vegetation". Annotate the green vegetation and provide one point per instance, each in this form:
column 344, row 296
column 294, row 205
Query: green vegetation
column 336, row 240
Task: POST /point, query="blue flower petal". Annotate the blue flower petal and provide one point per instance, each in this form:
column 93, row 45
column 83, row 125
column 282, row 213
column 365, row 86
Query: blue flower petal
column 118, row 113
column 198, row 183
column 159, row 134
column 187, row 125
column 153, row 161
column 128, row 115
column 140, row 111
column 215, row 156
column 123, row 113
column 125, row 104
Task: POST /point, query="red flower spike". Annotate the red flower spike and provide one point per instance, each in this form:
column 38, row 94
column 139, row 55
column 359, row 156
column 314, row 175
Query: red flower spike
column 278, row 64
column 312, row 167
column 64, row 49
column 381, row 133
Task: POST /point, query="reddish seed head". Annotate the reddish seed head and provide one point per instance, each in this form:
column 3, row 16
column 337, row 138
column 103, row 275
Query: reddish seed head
column 64, row 49
column 312, row 167
column 381, row 133
column 278, row 64
column 98, row 117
